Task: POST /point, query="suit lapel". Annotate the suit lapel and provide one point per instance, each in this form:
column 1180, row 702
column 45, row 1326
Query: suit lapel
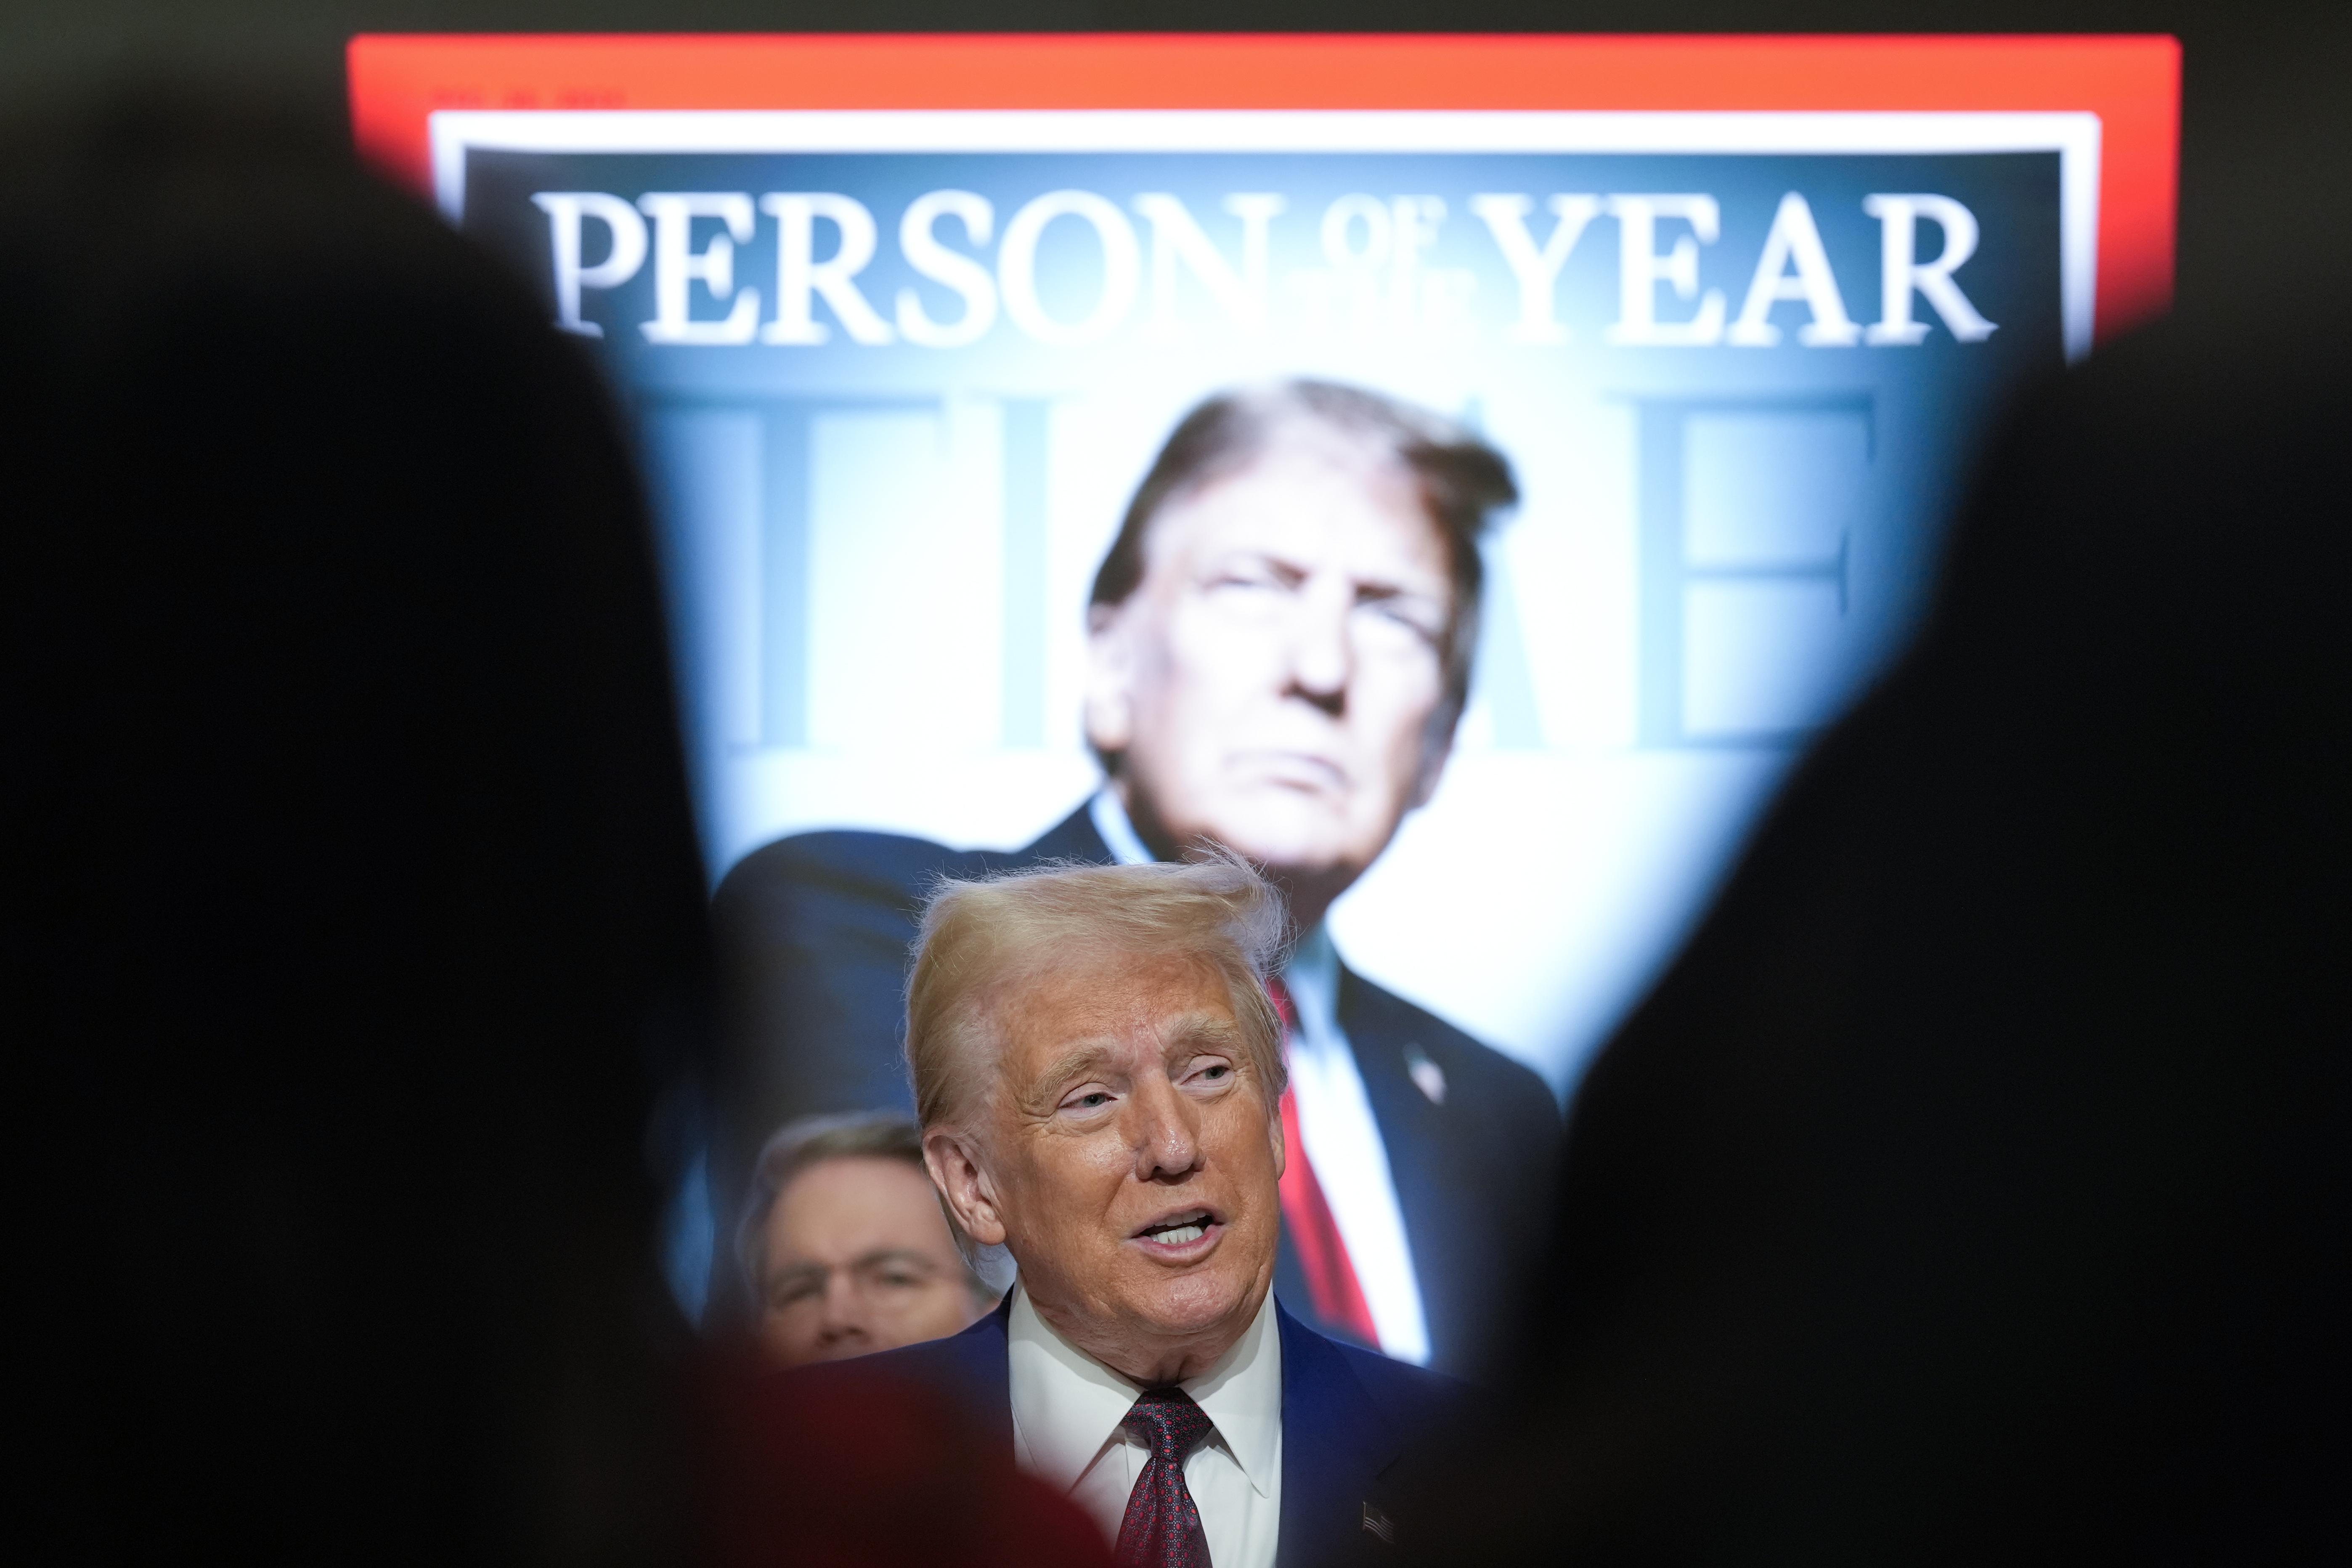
column 1336, row 1441
column 1415, row 1133
column 1074, row 838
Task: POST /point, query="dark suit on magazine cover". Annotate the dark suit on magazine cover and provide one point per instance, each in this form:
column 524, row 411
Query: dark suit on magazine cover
column 816, row 929
column 1361, row 1434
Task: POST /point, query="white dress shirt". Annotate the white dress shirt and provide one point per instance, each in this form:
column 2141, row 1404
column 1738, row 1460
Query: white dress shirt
column 1335, row 1122
column 1068, row 1416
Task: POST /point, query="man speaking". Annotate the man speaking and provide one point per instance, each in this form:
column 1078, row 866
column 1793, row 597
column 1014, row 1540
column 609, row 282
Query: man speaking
column 1280, row 644
column 1097, row 1070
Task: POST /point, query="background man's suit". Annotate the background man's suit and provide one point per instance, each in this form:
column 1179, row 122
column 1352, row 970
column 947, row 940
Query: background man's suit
column 1361, row 1434
column 816, row 929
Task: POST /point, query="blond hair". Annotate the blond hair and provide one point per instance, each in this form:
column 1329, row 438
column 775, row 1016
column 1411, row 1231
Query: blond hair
column 979, row 939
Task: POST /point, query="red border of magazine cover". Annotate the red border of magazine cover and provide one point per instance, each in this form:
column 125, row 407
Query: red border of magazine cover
column 2131, row 83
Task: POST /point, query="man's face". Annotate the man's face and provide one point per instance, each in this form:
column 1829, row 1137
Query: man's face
column 1273, row 680
column 859, row 1259
column 1128, row 1154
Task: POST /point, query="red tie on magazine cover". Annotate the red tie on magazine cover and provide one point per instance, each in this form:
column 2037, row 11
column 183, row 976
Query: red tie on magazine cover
column 1332, row 1288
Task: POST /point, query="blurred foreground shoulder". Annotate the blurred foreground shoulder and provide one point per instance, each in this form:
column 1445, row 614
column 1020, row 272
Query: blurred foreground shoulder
column 892, row 1458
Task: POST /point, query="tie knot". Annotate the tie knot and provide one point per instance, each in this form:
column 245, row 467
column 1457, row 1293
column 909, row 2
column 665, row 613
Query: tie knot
column 1170, row 1423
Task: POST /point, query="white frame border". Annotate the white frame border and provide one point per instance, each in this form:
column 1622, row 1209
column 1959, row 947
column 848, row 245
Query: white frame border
column 2073, row 136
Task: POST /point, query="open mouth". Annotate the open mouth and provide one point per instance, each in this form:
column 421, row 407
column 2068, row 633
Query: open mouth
column 1179, row 1230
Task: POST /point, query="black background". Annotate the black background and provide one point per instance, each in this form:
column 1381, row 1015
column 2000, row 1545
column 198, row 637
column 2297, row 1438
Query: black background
column 2265, row 158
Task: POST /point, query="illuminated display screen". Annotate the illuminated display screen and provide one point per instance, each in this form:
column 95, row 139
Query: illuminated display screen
column 903, row 323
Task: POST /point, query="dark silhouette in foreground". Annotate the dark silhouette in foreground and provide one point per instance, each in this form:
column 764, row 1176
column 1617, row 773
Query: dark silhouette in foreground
column 1974, row 1188
column 353, row 921
column 352, row 900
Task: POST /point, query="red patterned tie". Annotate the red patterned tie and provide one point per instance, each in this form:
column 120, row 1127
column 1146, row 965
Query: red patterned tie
column 1332, row 1288
column 1163, row 1527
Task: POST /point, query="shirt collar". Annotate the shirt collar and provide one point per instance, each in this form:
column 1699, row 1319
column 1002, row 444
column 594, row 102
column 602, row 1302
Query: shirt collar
column 1066, row 1405
column 1118, row 834
column 1243, row 1395
column 1313, row 977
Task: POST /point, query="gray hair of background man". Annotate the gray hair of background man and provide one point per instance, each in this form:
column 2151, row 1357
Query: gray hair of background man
column 981, row 940
column 811, row 1140
column 1463, row 483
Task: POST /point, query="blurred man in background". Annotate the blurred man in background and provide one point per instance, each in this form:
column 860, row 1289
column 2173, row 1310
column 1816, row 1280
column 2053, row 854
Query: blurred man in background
column 845, row 1244
column 1280, row 647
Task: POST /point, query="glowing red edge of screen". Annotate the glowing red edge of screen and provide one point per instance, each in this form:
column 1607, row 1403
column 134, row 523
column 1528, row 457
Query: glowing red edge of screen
column 2131, row 83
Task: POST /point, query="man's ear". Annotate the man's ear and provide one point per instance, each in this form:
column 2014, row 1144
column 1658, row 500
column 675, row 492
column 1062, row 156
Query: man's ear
column 1111, row 676
column 1281, row 1146
column 967, row 1188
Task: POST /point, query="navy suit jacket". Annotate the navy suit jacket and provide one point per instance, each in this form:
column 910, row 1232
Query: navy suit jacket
column 816, row 931
column 1360, row 1434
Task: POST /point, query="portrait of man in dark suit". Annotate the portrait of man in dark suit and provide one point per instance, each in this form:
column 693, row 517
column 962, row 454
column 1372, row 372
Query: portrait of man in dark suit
column 1098, row 1072
column 1279, row 649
